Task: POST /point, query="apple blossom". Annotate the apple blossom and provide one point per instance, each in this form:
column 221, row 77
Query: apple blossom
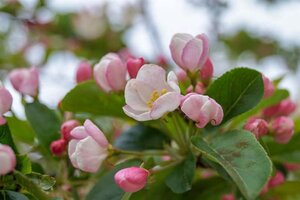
column 201, row 109
column 134, row 65
column 88, row 147
column 132, row 179
column 110, row 73
column 58, row 147
column 150, row 96
column 7, row 159
column 285, row 107
column 5, row 103
column 25, row 81
column 258, row 127
column 283, row 129
column 67, row 127
column 84, row 72
column 190, row 53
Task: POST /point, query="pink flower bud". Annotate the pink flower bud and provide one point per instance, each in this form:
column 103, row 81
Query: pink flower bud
column 228, row 197
column 276, row 180
column 283, row 129
column 292, row 166
column 5, row 103
column 132, row 179
column 207, row 70
column 25, row 81
column 190, row 53
column 84, row 72
column 88, row 148
column 202, row 109
column 58, row 147
column 268, row 87
column 199, row 89
column 162, row 61
column 285, row 108
column 67, row 127
column 181, row 74
column 134, row 65
column 110, row 73
column 7, row 159
column 258, row 127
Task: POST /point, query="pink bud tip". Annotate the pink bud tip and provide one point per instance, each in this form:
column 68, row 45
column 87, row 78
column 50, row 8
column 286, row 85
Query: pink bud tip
column 285, row 108
column 228, row 197
column 67, row 127
column 276, row 180
column 181, row 74
column 58, row 147
column 268, row 87
column 132, row 179
column 202, row 109
column 7, row 159
column 25, row 81
column 283, row 129
column 207, row 71
column 84, row 72
column 258, row 127
column 134, row 65
column 5, row 103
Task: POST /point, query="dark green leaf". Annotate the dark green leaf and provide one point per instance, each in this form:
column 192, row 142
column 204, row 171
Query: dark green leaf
column 11, row 195
column 180, row 179
column 88, row 97
column 20, row 130
column 141, row 137
column 44, row 121
column 237, row 91
column 285, row 152
column 244, row 159
column 5, row 137
column 106, row 187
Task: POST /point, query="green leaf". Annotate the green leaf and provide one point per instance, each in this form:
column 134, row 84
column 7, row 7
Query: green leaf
column 287, row 191
column 20, row 130
column 44, row 122
column 141, row 137
column 289, row 152
column 237, row 91
column 11, row 195
column 243, row 158
column 5, row 137
column 278, row 96
column 27, row 184
column 88, row 97
column 180, row 179
column 209, row 189
column 45, row 182
column 23, row 164
column 106, row 187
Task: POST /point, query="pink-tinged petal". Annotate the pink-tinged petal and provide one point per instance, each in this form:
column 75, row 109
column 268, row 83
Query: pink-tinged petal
column 78, row 133
column 191, row 105
column 5, row 100
column 84, row 72
column 2, row 120
column 192, row 53
column 116, row 75
column 137, row 115
column 165, row 103
column 93, row 131
column 7, row 159
column 134, row 65
column 205, row 114
column 71, row 152
column 137, row 93
column 90, row 155
column 177, row 45
column 67, row 127
column 16, row 78
column 99, row 74
column 173, row 81
column 154, row 76
column 205, row 49
column 218, row 116
column 207, row 70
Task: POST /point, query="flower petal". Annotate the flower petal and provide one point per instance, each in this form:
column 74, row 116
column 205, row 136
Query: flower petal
column 165, row 103
column 99, row 74
column 137, row 115
column 192, row 53
column 79, row 133
column 177, row 45
column 116, row 74
column 95, row 133
column 71, row 152
column 173, row 81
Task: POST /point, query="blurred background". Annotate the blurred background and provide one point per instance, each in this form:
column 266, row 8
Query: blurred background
column 56, row 35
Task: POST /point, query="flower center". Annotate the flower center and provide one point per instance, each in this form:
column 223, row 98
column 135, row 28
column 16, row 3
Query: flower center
column 155, row 95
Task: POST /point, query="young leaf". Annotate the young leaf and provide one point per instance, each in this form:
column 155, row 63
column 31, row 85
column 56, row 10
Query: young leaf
column 106, row 187
column 243, row 158
column 141, row 137
column 88, row 97
column 237, row 91
column 20, row 130
column 44, row 122
column 180, row 179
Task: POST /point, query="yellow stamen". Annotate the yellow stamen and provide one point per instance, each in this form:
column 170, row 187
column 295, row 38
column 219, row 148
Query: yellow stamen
column 155, row 95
